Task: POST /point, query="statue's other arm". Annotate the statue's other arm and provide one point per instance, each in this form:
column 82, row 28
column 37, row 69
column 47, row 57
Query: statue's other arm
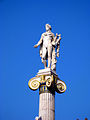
column 58, row 40
column 40, row 41
column 58, row 44
column 54, row 39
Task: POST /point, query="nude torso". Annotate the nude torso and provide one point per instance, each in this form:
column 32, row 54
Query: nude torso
column 47, row 39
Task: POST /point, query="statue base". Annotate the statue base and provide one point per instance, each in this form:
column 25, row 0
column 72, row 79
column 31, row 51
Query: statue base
column 46, row 71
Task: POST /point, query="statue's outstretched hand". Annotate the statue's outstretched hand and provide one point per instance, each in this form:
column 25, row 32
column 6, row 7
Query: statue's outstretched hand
column 35, row 46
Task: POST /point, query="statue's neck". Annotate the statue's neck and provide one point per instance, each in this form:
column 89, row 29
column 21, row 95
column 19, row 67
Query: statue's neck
column 48, row 31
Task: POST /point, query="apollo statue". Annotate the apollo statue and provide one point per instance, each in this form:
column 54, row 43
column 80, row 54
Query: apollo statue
column 49, row 47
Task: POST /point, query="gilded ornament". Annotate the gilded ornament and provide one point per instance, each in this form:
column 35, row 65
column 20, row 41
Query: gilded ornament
column 61, row 86
column 34, row 83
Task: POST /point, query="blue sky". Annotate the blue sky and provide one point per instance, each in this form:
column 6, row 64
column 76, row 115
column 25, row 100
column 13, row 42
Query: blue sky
column 21, row 25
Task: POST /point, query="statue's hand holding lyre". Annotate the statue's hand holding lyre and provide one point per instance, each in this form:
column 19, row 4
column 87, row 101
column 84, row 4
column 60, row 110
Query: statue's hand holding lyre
column 56, row 35
column 59, row 36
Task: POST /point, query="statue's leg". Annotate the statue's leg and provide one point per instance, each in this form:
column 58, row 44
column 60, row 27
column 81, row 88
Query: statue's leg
column 44, row 57
column 49, row 55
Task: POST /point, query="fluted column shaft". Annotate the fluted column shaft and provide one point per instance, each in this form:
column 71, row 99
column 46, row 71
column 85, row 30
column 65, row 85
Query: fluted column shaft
column 47, row 106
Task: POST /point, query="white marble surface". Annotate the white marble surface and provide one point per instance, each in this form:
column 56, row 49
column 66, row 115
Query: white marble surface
column 46, row 71
column 47, row 106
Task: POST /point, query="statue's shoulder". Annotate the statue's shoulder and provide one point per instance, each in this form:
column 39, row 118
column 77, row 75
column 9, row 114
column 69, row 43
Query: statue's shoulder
column 44, row 34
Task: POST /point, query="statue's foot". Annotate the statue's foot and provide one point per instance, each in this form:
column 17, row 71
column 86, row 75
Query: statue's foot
column 45, row 67
column 48, row 67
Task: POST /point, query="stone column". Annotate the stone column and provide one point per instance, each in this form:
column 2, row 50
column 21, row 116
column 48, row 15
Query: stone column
column 46, row 103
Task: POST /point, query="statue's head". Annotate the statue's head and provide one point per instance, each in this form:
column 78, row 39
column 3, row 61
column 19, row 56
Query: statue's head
column 48, row 27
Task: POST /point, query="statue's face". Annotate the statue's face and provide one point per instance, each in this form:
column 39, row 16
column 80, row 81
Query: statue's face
column 47, row 28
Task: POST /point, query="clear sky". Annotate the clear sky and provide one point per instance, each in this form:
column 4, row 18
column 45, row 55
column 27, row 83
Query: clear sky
column 21, row 24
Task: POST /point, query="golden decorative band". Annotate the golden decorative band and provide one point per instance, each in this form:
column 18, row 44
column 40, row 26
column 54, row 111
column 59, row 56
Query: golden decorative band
column 45, row 89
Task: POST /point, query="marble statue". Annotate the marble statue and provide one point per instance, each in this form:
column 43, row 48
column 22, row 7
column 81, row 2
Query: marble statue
column 49, row 47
